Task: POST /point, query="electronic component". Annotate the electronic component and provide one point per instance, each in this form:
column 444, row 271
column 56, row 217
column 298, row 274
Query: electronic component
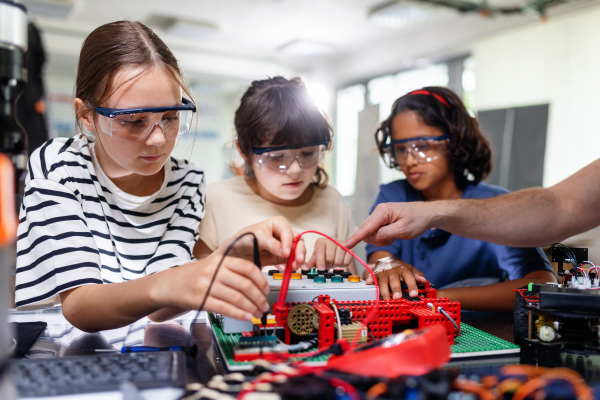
column 565, row 315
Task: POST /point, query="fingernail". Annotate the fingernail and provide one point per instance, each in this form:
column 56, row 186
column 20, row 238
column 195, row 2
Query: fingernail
column 266, row 307
column 396, row 295
column 248, row 317
column 304, row 266
column 413, row 293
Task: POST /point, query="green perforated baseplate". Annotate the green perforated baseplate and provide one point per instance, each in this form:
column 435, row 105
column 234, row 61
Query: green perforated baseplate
column 472, row 343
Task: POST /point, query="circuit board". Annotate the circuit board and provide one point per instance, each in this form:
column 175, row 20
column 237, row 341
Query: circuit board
column 472, row 343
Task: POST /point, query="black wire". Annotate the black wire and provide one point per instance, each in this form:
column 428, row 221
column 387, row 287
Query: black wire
column 566, row 251
column 445, row 314
column 212, row 281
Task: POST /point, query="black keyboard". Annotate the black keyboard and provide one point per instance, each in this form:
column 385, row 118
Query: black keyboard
column 97, row 373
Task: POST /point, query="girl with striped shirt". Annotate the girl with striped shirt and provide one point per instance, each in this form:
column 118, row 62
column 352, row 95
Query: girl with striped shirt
column 106, row 215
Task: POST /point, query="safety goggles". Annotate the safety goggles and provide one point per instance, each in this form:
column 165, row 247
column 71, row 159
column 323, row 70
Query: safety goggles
column 280, row 158
column 135, row 124
column 422, row 149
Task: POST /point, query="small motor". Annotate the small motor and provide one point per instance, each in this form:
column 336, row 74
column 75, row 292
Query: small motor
column 546, row 328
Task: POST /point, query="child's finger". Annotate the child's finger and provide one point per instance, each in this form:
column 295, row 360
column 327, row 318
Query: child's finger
column 282, row 230
column 347, row 258
column 300, row 252
column 219, row 306
column 319, row 254
column 409, row 279
column 339, row 256
column 384, row 289
column 395, row 285
column 247, row 270
column 242, row 300
column 311, row 263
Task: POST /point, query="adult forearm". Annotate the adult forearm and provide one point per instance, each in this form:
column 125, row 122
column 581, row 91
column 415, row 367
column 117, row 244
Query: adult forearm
column 92, row 308
column 526, row 218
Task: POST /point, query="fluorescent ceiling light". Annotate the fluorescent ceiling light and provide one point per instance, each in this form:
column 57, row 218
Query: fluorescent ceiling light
column 304, row 48
column 399, row 14
column 192, row 29
column 188, row 29
column 50, row 8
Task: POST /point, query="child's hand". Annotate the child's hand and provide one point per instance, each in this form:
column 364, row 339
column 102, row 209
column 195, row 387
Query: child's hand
column 274, row 236
column 327, row 255
column 390, row 281
column 238, row 291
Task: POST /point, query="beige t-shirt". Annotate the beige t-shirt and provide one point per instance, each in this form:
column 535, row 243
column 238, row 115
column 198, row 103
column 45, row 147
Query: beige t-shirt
column 232, row 205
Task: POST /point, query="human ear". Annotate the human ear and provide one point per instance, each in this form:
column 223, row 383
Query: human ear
column 84, row 114
column 237, row 144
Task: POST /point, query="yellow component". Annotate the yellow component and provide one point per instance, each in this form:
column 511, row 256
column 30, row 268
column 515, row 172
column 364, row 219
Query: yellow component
column 278, row 275
column 546, row 330
column 296, row 275
column 354, row 278
column 256, row 321
column 349, row 331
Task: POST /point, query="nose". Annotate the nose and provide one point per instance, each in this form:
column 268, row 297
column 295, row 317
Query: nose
column 295, row 167
column 156, row 137
column 411, row 159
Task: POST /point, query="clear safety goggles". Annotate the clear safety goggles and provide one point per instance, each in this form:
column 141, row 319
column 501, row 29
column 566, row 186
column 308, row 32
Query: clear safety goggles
column 280, row 158
column 135, row 124
column 422, row 149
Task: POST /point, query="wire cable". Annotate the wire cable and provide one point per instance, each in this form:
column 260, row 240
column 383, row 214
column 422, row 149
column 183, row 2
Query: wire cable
column 445, row 314
column 212, row 281
column 337, row 315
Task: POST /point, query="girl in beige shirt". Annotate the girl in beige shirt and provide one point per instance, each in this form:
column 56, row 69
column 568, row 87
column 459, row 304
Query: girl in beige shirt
column 282, row 137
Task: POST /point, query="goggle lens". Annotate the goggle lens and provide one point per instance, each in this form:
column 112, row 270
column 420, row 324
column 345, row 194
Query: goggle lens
column 421, row 150
column 281, row 160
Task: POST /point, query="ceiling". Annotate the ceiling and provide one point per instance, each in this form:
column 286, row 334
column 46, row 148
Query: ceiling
column 245, row 37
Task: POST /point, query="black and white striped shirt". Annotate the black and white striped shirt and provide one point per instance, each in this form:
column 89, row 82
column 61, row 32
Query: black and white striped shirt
column 77, row 228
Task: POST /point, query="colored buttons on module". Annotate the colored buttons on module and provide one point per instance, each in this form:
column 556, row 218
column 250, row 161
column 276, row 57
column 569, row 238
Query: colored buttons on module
column 354, row 278
column 278, row 275
column 320, row 279
column 337, row 279
column 296, row 275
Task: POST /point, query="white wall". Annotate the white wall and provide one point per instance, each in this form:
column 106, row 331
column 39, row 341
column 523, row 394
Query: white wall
column 557, row 62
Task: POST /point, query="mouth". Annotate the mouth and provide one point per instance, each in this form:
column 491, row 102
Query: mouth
column 151, row 158
column 414, row 175
column 293, row 185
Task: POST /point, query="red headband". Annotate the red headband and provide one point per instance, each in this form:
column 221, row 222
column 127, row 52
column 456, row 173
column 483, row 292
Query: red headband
column 437, row 96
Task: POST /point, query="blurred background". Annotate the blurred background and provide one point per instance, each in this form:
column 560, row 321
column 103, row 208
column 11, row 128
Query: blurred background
column 530, row 71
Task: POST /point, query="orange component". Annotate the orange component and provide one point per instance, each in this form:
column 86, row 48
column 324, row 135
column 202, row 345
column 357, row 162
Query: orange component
column 278, row 275
column 8, row 215
column 296, row 275
column 354, row 278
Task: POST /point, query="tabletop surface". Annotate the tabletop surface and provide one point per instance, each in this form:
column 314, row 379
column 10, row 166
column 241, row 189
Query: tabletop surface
column 62, row 339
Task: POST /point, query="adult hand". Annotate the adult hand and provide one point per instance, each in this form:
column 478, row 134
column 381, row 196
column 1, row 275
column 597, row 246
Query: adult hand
column 238, row 291
column 327, row 255
column 390, row 280
column 275, row 237
column 391, row 221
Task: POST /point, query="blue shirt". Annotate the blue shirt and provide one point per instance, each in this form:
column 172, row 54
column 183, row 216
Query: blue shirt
column 445, row 258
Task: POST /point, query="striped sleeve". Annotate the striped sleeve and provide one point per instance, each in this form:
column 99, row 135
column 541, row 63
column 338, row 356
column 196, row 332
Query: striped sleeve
column 55, row 249
column 176, row 245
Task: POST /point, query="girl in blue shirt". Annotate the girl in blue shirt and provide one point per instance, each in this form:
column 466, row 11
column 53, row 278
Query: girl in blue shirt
column 434, row 141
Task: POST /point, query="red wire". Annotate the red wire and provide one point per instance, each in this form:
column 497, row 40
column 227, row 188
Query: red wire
column 280, row 305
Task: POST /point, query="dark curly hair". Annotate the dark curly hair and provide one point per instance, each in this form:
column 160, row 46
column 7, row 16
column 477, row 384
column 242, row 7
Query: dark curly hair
column 279, row 112
column 469, row 153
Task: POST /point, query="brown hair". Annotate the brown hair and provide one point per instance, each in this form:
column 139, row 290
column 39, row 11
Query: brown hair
column 112, row 47
column 279, row 112
column 469, row 153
